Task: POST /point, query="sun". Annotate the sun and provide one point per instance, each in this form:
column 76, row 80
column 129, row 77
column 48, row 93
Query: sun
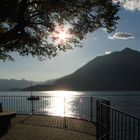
column 61, row 35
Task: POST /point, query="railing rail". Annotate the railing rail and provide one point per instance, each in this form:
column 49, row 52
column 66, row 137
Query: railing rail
column 121, row 125
column 102, row 120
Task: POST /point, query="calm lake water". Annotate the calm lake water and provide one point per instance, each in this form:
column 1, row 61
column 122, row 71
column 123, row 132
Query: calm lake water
column 125, row 101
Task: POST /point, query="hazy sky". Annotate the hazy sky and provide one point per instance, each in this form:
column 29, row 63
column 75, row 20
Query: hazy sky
column 98, row 43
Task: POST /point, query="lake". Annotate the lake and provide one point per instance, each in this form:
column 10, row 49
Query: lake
column 125, row 101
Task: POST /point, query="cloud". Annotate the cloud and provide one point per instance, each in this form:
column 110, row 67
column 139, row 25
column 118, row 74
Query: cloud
column 129, row 4
column 121, row 36
column 108, row 52
column 95, row 38
column 104, row 29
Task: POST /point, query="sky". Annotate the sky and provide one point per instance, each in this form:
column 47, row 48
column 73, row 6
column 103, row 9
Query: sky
column 96, row 44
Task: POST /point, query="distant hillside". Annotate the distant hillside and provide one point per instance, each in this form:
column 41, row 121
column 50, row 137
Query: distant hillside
column 115, row 71
column 14, row 84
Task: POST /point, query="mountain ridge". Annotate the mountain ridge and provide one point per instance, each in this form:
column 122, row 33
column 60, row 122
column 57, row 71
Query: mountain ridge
column 116, row 71
column 18, row 85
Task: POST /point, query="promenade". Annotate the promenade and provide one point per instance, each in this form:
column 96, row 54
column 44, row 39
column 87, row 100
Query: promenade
column 43, row 127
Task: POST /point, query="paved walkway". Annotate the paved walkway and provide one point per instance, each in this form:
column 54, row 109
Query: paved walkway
column 39, row 127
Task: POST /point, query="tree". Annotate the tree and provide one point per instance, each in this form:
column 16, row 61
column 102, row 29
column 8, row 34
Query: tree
column 26, row 25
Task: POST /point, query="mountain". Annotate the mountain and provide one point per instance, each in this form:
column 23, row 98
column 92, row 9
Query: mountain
column 113, row 72
column 14, row 84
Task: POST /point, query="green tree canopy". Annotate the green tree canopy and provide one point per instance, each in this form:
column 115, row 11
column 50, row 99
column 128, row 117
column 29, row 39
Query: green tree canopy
column 26, row 25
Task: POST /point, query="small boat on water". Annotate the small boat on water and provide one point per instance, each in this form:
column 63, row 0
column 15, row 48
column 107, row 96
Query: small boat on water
column 32, row 98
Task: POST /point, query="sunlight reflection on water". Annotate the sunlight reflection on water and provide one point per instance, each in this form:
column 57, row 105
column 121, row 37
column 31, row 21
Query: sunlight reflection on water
column 62, row 93
column 63, row 106
column 63, row 103
column 57, row 106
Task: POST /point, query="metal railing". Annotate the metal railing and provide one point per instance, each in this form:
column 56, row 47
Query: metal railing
column 113, row 124
column 80, row 107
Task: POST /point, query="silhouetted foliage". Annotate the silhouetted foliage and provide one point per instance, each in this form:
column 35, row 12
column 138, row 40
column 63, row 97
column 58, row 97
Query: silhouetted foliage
column 26, row 25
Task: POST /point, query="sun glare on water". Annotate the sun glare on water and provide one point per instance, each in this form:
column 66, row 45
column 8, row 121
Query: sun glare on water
column 60, row 103
column 61, row 35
